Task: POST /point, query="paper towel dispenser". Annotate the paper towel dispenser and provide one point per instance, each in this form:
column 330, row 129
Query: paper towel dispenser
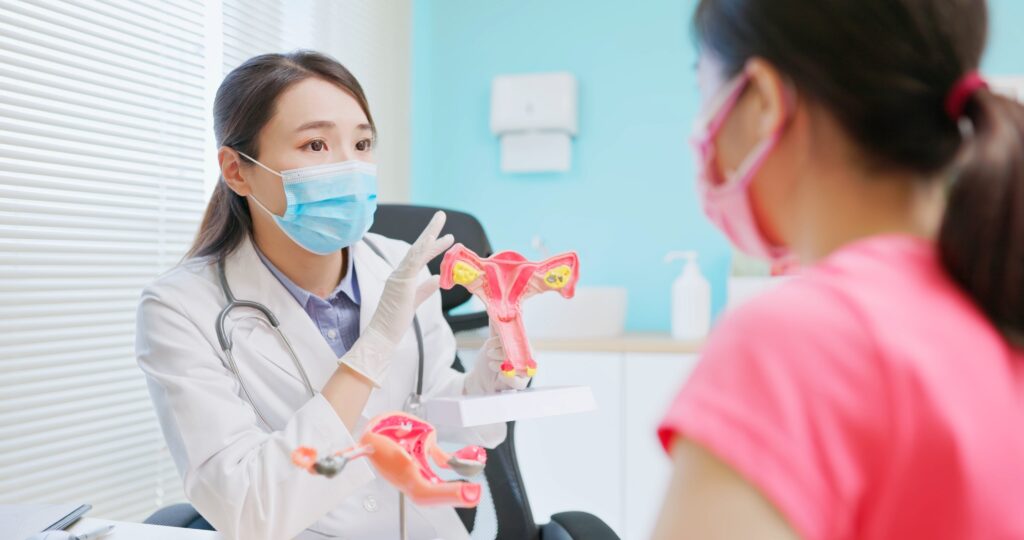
column 535, row 116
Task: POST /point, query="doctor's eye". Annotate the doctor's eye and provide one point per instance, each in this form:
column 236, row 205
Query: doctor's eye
column 316, row 145
column 364, row 145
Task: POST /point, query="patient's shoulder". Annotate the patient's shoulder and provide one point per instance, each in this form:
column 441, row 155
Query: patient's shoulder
column 801, row 320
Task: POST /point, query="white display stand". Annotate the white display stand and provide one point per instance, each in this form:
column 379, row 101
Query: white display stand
column 469, row 411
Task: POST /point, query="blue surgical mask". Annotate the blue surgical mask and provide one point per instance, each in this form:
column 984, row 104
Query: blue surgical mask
column 330, row 206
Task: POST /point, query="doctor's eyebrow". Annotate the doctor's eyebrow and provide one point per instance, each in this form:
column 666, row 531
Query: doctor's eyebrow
column 316, row 124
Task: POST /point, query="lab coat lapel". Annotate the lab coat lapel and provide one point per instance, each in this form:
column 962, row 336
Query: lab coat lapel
column 250, row 279
column 372, row 273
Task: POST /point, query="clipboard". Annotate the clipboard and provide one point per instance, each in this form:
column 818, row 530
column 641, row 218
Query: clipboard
column 24, row 520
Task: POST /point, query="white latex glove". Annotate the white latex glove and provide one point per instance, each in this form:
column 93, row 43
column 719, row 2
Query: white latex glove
column 486, row 376
column 371, row 354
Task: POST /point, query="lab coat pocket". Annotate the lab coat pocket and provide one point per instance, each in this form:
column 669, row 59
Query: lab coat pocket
column 313, row 534
column 256, row 341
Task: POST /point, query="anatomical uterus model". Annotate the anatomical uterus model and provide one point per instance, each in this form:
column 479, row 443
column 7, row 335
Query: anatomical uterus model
column 503, row 281
column 397, row 444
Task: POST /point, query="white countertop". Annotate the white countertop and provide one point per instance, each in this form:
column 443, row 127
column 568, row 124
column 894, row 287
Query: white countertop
column 631, row 342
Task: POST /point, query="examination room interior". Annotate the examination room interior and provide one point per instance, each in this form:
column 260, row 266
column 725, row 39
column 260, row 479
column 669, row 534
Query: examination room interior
column 559, row 126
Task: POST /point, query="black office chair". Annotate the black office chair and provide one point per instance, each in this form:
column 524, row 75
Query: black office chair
column 515, row 519
column 511, row 505
column 181, row 515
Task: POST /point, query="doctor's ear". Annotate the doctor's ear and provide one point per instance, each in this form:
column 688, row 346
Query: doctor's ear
column 231, row 170
column 772, row 94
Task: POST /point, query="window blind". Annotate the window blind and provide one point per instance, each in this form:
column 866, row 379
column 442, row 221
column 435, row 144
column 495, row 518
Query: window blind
column 106, row 160
column 102, row 119
column 252, row 27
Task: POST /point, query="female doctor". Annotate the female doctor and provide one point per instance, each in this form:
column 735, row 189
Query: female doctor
column 286, row 231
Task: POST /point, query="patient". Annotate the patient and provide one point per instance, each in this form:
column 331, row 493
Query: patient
column 881, row 393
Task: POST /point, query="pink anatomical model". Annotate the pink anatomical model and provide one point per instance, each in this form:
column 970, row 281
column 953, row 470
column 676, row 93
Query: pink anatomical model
column 502, row 282
column 398, row 444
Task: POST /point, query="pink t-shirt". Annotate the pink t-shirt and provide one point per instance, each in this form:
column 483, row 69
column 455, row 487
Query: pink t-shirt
column 867, row 398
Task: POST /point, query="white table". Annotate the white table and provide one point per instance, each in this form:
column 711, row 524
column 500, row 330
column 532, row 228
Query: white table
column 140, row 531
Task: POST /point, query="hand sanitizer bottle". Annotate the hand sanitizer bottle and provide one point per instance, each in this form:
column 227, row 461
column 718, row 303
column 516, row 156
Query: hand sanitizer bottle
column 691, row 299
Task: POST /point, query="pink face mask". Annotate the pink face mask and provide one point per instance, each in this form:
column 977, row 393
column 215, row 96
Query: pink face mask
column 726, row 196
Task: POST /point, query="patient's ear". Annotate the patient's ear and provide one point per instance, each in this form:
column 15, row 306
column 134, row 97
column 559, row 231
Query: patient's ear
column 771, row 99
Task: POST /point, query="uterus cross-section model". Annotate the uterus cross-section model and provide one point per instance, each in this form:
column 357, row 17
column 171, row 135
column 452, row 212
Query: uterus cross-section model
column 503, row 281
column 398, row 445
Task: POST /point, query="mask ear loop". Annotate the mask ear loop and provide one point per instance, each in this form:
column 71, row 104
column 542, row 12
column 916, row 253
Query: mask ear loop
column 268, row 169
column 253, row 197
column 716, row 115
column 264, row 208
column 731, row 94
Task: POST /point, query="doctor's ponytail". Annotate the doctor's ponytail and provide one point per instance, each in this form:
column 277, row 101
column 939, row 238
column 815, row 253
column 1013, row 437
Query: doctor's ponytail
column 899, row 76
column 245, row 102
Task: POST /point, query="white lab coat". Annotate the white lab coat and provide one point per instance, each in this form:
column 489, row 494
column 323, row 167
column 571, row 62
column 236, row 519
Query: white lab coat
column 236, row 473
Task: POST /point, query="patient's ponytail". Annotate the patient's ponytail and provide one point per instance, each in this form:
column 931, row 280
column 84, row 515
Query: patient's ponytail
column 982, row 236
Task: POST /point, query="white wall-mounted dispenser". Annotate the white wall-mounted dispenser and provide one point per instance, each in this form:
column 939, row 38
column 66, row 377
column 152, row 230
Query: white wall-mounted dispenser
column 535, row 116
column 1009, row 85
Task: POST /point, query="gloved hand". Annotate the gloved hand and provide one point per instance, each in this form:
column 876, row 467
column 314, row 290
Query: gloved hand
column 371, row 354
column 486, row 377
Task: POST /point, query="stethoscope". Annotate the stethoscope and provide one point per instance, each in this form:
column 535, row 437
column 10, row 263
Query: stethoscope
column 412, row 404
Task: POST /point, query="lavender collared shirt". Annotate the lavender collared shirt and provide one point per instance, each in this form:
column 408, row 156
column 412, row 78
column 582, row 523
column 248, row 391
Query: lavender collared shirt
column 337, row 317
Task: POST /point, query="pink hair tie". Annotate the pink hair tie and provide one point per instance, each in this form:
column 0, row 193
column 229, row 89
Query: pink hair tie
column 961, row 92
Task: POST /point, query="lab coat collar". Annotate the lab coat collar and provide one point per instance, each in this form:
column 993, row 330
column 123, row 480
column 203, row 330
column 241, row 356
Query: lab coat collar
column 250, row 279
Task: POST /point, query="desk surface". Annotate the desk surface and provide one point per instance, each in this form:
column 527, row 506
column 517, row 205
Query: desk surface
column 139, row 531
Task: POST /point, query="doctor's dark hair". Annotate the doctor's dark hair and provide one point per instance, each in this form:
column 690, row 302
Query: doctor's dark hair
column 884, row 69
column 245, row 102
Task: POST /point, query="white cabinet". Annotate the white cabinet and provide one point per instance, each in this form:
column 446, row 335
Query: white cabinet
column 651, row 382
column 574, row 462
column 607, row 462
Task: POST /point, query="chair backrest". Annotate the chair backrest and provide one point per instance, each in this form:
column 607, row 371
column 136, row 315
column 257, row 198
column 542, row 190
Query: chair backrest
column 406, row 222
column 511, row 505
column 181, row 515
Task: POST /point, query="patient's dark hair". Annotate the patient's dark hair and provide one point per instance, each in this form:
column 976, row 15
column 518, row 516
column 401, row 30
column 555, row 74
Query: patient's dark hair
column 884, row 69
column 245, row 102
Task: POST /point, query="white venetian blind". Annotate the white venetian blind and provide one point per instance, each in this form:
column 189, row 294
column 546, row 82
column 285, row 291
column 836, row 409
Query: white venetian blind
column 252, row 27
column 106, row 153
column 102, row 124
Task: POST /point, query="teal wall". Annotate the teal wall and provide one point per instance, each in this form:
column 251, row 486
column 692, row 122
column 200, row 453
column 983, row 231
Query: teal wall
column 630, row 196
column 1005, row 53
